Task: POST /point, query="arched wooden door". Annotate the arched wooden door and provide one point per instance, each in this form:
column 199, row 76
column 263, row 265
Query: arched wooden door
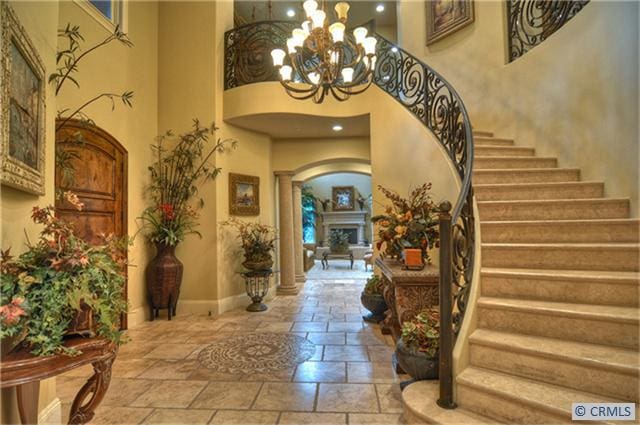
column 100, row 182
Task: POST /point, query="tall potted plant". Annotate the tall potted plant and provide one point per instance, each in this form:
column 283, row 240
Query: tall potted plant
column 183, row 163
column 373, row 300
column 408, row 224
column 258, row 242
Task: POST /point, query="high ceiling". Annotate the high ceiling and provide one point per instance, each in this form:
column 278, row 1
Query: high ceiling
column 359, row 13
column 299, row 126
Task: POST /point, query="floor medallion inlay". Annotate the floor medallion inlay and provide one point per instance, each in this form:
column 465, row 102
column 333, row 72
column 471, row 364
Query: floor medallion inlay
column 256, row 352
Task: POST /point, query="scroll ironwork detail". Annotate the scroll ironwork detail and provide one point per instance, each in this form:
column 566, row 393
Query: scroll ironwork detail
column 530, row 22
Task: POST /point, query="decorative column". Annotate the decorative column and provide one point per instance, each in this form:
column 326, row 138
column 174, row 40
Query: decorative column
column 297, row 232
column 287, row 260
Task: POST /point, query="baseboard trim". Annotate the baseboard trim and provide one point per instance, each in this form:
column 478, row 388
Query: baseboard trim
column 137, row 316
column 51, row 414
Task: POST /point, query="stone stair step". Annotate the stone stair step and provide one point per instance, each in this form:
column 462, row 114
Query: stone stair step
column 420, row 407
column 513, row 399
column 502, row 162
column 531, row 191
column 594, row 324
column 554, row 209
column 491, row 141
column 612, row 371
column 501, row 151
column 482, row 133
column 533, row 231
column 526, row 175
column 562, row 256
column 583, row 287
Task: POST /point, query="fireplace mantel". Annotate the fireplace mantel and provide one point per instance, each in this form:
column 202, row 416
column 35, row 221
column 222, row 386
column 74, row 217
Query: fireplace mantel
column 345, row 220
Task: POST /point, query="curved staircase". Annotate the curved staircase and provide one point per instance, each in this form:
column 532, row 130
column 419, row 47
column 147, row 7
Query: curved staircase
column 558, row 316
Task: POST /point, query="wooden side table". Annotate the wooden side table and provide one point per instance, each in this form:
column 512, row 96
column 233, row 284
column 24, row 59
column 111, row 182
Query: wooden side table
column 24, row 371
column 328, row 255
column 406, row 292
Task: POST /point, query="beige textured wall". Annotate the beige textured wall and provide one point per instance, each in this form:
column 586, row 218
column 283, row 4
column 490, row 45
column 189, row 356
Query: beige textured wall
column 40, row 20
column 297, row 154
column 575, row 96
column 117, row 68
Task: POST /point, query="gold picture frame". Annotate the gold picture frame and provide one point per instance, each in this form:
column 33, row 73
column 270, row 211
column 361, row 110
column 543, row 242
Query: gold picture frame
column 244, row 194
column 22, row 108
column 445, row 17
column 343, row 198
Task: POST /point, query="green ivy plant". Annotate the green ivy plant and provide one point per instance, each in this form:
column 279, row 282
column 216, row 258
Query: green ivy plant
column 374, row 286
column 43, row 288
column 422, row 334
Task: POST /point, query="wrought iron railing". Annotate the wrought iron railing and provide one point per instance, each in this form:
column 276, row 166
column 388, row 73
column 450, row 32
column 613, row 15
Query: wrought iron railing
column 530, row 22
column 436, row 104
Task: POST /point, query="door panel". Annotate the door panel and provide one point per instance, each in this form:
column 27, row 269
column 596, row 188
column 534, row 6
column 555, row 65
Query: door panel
column 100, row 182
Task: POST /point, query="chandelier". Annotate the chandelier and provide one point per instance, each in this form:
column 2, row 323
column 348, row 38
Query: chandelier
column 323, row 59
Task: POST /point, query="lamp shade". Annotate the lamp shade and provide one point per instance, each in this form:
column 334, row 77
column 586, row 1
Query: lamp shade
column 306, row 27
column 309, row 7
column 278, row 57
column 347, row 75
column 369, row 45
column 337, row 32
column 285, row 73
column 298, row 37
column 342, row 9
column 317, row 18
column 360, row 34
column 291, row 47
column 314, row 77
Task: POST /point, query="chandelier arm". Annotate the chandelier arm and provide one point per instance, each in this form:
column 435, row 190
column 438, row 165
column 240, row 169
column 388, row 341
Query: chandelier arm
column 338, row 94
column 353, row 89
column 298, row 90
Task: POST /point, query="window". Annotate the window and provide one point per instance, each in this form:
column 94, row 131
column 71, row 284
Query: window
column 109, row 13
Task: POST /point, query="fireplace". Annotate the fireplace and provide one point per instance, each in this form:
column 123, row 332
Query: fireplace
column 351, row 232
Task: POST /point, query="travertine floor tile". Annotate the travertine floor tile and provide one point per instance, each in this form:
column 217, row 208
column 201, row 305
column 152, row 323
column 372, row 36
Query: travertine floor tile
column 123, row 391
column 130, row 368
column 373, row 419
column 244, row 417
column 345, row 326
column 178, row 394
column 119, row 415
column 309, row 327
column 169, row 369
column 293, row 418
column 372, row 372
column 171, row 351
column 286, row 396
column 324, row 338
column 274, row 327
column 227, row 395
column 347, row 398
column 321, row 372
column 180, row 417
column 345, row 353
column 390, row 398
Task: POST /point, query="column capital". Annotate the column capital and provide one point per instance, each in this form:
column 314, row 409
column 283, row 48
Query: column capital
column 284, row 173
column 297, row 183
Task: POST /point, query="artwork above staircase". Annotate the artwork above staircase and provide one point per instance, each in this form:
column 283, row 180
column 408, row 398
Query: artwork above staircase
column 558, row 315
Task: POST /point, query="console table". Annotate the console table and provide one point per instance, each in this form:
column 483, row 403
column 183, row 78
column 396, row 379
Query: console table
column 406, row 292
column 328, row 255
column 24, row 371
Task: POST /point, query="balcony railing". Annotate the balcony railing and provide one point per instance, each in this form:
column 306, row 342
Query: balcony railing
column 433, row 102
column 530, row 22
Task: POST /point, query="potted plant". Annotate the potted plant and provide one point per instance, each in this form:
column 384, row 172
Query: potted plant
column 338, row 242
column 258, row 242
column 373, row 300
column 408, row 223
column 176, row 175
column 309, row 214
column 46, row 290
column 418, row 345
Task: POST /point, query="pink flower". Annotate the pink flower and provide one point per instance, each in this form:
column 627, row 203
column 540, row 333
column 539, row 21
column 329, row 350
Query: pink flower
column 12, row 311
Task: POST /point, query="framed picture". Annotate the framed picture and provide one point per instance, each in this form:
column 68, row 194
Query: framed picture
column 445, row 17
column 244, row 194
column 22, row 105
column 343, row 198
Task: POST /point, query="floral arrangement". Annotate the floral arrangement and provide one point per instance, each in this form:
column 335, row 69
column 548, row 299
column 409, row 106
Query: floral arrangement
column 338, row 241
column 176, row 176
column 43, row 289
column 423, row 333
column 407, row 223
column 258, row 240
column 374, row 285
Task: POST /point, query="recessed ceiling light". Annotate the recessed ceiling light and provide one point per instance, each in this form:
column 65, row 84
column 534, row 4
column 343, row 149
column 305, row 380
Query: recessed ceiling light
column 291, row 13
column 380, row 8
column 337, row 127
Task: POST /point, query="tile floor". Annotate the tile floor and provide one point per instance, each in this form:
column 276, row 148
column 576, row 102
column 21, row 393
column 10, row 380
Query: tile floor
column 158, row 379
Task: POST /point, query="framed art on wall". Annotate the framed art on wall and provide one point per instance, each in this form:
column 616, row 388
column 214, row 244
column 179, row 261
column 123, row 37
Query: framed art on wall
column 22, row 108
column 244, row 194
column 445, row 17
column 343, row 198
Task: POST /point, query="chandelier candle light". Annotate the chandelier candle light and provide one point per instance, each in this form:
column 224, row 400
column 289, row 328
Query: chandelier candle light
column 323, row 59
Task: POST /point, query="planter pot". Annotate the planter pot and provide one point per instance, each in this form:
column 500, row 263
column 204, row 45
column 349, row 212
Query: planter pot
column 258, row 265
column 164, row 277
column 416, row 364
column 376, row 304
column 413, row 259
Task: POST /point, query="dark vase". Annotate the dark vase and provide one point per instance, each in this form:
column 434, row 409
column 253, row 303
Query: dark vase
column 164, row 276
column 376, row 304
column 415, row 363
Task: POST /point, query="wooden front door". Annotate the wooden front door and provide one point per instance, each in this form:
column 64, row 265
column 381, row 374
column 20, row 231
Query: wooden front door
column 99, row 181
